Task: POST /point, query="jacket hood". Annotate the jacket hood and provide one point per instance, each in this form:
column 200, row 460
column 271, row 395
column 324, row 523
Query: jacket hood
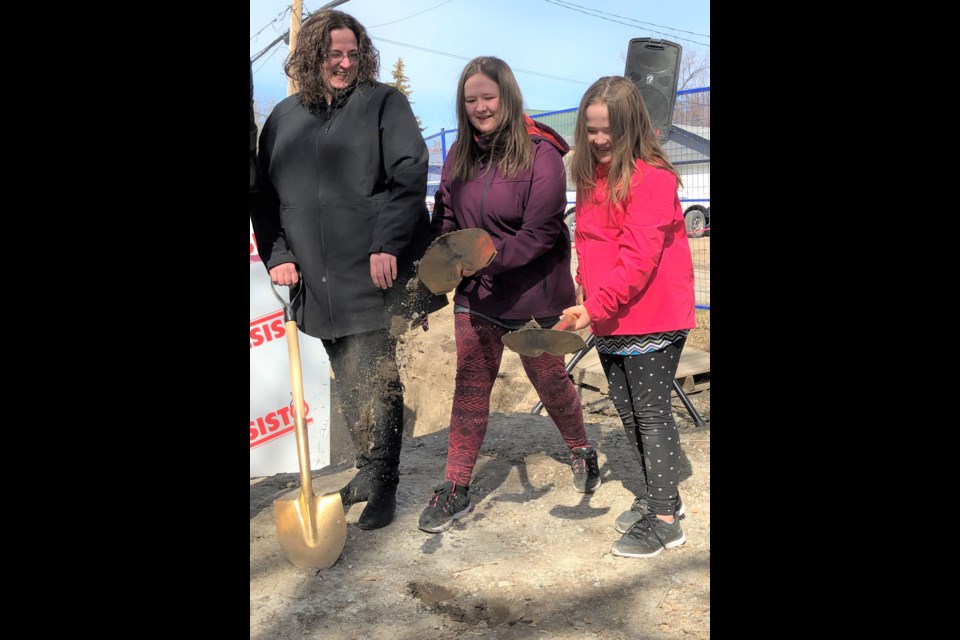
column 538, row 130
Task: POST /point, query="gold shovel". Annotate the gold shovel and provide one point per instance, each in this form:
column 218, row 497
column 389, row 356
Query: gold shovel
column 532, row 340
column 311, row 529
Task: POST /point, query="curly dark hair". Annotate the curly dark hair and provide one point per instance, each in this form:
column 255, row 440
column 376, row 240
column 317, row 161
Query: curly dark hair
column 305, row 64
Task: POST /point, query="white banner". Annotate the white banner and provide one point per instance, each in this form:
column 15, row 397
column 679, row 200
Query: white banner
column 273, row 445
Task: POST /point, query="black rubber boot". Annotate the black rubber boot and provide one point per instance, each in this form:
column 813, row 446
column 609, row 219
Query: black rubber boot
column 381, row 504
column 358, row 489
column 382, row 475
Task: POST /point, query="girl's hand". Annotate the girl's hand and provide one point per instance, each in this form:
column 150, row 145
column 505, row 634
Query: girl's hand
column 580, row 313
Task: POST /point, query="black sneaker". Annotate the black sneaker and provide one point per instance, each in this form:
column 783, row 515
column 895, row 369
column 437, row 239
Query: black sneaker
column 586, row 470
column 629, row 518
column 649, row 537
column 449, row 502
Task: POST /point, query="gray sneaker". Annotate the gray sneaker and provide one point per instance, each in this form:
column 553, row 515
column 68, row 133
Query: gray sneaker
column 586, row 469
column 629, row 518
column 649, row 537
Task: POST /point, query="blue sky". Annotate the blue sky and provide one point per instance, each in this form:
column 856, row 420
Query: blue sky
column 556, row 48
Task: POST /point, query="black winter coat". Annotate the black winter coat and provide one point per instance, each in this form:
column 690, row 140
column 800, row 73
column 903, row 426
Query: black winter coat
column 337, row 185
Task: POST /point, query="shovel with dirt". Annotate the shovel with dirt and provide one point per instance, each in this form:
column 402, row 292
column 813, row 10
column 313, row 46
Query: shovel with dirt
column 444, row 261
column 312, row 530
column 532, row 339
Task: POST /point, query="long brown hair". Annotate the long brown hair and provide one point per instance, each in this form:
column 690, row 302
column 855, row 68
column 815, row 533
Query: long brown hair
column 509, row 144
column 305, row 64
column 632, row 138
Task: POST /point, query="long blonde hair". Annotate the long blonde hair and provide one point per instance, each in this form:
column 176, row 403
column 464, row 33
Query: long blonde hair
column 510, row 143
column 632, row 137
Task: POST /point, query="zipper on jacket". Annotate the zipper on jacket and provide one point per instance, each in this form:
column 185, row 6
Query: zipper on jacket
column 323, row 249
column 483, row 196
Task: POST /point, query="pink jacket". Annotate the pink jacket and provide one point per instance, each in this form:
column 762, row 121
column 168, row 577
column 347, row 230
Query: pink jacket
column 635, row 266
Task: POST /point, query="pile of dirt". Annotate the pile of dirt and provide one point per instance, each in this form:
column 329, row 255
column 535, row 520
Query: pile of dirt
column 531, row 561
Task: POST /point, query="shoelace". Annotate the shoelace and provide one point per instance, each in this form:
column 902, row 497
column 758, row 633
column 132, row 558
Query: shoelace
column 642, row 528
column 580, row 460
column 442, row 491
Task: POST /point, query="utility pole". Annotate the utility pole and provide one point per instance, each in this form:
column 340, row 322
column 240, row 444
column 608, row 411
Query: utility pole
column 329, row 5
column 294, row 31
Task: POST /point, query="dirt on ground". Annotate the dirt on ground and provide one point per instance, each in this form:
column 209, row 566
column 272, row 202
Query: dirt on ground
column 532, row 560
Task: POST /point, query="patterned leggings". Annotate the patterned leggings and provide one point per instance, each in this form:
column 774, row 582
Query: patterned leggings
column 640, row 388
column 479, row 352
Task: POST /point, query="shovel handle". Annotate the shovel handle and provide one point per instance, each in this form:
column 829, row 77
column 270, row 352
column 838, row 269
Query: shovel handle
column 567, row 323
column 300, row 422
column 296, row 384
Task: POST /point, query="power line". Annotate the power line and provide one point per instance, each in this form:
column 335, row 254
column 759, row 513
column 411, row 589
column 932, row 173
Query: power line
column 284, row 35
column 413, row 16
column 453, row 55
column 279, row 17
column 266, row 61
column 670, row 35
column 633, row 20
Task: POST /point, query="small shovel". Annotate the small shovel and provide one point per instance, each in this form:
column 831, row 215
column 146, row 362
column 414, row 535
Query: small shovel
column 311, row 529
column 532, row 340
column 442, row 265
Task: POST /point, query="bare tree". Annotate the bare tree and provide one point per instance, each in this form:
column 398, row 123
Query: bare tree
column 694, row 69
column 402, row 83
column 694, row 73
column 261, row 109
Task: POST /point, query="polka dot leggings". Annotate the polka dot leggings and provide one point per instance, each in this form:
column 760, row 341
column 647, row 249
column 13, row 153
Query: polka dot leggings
column 640, row 388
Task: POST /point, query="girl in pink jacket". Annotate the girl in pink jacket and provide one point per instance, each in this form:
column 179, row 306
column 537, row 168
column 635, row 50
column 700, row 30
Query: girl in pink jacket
column 635, row 291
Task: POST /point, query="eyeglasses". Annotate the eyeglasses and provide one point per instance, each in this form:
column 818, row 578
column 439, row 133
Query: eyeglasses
column 337, row 56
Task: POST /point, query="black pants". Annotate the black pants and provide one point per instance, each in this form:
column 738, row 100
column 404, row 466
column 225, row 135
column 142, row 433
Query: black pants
column 371, row 398
column 640, row 388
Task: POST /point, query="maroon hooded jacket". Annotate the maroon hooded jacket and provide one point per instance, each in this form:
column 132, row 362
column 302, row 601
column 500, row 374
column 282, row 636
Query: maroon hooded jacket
column 530, row 275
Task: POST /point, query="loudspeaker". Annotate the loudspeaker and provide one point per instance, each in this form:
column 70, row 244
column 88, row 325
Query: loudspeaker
column 654, row 66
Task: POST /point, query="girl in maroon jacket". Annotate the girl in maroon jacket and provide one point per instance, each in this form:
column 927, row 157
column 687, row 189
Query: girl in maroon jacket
column 635, row 290
column 504, row 174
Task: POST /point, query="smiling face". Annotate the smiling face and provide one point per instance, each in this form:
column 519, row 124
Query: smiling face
column 340, row 61
column 481, row 100
column 598, row 133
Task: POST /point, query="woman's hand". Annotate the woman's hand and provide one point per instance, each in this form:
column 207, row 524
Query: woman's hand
column 284, row 274
column 580, row 313
column 383, row 269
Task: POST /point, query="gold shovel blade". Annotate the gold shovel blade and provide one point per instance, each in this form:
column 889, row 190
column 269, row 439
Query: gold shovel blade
column 442, row 265
column 311, row 529
column 533, row 342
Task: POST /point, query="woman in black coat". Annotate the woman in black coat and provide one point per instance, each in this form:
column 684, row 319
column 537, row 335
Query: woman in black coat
column 343, row 174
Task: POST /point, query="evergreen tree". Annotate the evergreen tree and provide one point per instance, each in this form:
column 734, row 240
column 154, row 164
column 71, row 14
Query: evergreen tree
column 402, row 84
